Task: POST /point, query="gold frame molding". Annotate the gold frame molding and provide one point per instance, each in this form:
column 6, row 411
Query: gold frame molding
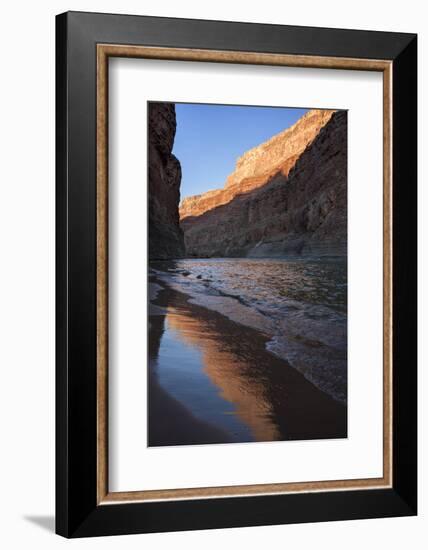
column 104, row 52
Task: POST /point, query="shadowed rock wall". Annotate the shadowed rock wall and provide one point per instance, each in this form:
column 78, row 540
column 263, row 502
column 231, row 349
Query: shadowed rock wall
column 165, row 235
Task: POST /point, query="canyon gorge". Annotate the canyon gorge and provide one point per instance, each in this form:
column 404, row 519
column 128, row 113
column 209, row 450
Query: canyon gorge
column 248, row 315
column 286, row 197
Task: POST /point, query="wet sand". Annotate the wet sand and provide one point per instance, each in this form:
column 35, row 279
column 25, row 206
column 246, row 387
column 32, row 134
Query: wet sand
column 211, row 380
column 170, row 423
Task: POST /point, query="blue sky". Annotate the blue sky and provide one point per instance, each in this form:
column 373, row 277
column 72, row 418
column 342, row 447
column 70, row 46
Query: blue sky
column 210, row 138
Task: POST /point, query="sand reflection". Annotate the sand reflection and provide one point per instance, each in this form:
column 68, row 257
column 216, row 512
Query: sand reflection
column 234, row 374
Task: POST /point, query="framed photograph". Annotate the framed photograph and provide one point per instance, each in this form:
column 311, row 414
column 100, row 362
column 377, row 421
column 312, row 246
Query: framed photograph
column 236, row 274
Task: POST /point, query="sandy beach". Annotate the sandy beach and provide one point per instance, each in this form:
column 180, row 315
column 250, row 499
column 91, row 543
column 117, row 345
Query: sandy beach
column 212, row 380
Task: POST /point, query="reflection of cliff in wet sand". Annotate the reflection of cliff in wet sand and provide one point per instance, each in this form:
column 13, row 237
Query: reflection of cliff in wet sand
column 170, row 422
column 212, row 380
column 230, row 372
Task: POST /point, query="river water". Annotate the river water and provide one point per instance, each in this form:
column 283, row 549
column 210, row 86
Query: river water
column 299, row 304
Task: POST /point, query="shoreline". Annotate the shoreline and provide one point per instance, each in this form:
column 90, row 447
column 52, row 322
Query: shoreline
column 309, row 334
column 270, row 397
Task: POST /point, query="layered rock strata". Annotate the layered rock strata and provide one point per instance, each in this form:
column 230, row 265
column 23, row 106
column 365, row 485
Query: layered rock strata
column 287, row 196
column 165, row 234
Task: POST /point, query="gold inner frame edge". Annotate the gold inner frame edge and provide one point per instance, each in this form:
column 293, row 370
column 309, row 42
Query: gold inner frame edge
column 104, row 51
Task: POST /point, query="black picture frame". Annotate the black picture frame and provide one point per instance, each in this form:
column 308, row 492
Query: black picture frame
column 77, row 511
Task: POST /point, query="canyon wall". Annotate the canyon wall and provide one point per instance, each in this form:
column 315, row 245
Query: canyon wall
column 287, row 196
column 165, row 234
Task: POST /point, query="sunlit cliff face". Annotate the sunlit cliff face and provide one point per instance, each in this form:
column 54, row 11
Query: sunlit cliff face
column 259, row 165
column 287, row 197
column 235, row 376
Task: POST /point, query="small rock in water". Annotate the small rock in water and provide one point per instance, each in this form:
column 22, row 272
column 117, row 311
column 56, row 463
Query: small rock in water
column 185, row 273
column 199, row 277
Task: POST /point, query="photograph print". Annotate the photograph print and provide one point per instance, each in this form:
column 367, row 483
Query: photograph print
column 247, row 299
